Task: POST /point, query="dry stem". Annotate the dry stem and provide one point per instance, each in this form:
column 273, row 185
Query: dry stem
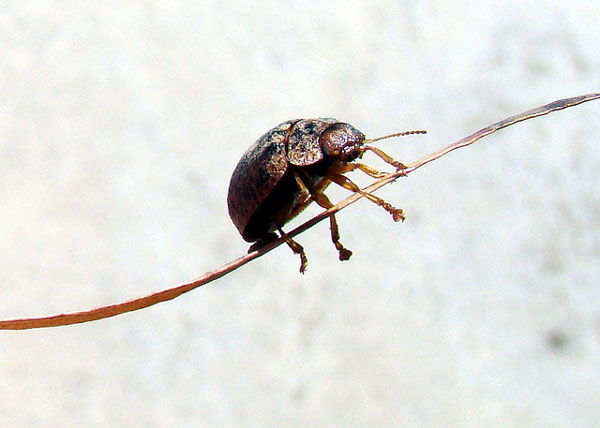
column 171, row 293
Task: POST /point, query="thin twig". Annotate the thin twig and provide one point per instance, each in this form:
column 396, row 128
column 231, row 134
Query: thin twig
column 171, row 293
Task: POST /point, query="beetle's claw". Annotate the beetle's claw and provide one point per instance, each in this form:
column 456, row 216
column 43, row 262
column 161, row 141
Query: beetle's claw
column 303, row 262
column 345, row 254
column 398, row 214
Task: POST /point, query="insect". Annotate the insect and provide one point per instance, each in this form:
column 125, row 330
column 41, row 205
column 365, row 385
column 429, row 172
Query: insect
column 289, row 167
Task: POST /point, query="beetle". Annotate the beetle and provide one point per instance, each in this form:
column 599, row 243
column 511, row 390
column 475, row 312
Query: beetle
column 289, row 167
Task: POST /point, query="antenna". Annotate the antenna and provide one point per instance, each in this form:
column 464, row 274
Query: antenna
column 397, row 134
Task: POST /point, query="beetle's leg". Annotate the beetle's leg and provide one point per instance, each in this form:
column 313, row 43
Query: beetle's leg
column 320, row 198
column 369, row 170
column 383, row 155
column 296, row 248
column 303, row 200
column 264, row 241
column 346, row 183
column 303, row 188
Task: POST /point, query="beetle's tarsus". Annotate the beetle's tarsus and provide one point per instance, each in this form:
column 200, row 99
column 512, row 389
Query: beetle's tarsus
column 344, row 254
column 303, row 262
column 397, row 213
column 296, row 248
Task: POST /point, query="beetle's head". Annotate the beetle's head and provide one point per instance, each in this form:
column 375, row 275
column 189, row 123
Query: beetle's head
column 342, row 142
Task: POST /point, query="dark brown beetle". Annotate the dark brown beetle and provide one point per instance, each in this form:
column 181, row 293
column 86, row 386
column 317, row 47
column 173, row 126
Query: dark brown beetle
column 289, row 167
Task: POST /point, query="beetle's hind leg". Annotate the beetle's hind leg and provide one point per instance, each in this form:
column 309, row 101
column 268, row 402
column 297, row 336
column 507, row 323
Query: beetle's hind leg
column 296, row 248
column 263, row 242
column 322, row 200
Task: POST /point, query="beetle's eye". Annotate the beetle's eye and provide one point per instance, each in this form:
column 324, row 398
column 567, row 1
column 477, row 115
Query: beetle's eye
column 350, row 149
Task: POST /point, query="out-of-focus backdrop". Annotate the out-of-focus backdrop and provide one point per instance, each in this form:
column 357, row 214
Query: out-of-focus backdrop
column 120, row 124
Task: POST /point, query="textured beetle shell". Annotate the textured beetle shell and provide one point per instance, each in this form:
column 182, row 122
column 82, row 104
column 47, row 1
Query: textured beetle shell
column 257, row 172
column 253, row 195
column 304, row 147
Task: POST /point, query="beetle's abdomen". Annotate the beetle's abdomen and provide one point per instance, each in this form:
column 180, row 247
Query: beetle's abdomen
column 256, row 174
column 282, row 197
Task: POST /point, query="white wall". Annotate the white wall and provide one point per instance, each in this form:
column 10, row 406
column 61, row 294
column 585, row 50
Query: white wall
column 120, row 124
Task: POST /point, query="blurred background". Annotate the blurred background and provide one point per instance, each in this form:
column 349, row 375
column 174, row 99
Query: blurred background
column 120, row 124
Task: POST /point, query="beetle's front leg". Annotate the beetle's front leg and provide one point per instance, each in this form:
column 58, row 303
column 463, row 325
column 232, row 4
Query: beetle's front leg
column 346, row 183
column 383, row 155
column 343, row 168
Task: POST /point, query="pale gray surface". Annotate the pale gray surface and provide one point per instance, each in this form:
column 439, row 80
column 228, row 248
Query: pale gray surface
column 120, row 123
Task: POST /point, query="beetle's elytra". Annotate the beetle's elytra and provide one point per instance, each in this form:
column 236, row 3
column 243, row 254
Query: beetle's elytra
column 289, row 167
